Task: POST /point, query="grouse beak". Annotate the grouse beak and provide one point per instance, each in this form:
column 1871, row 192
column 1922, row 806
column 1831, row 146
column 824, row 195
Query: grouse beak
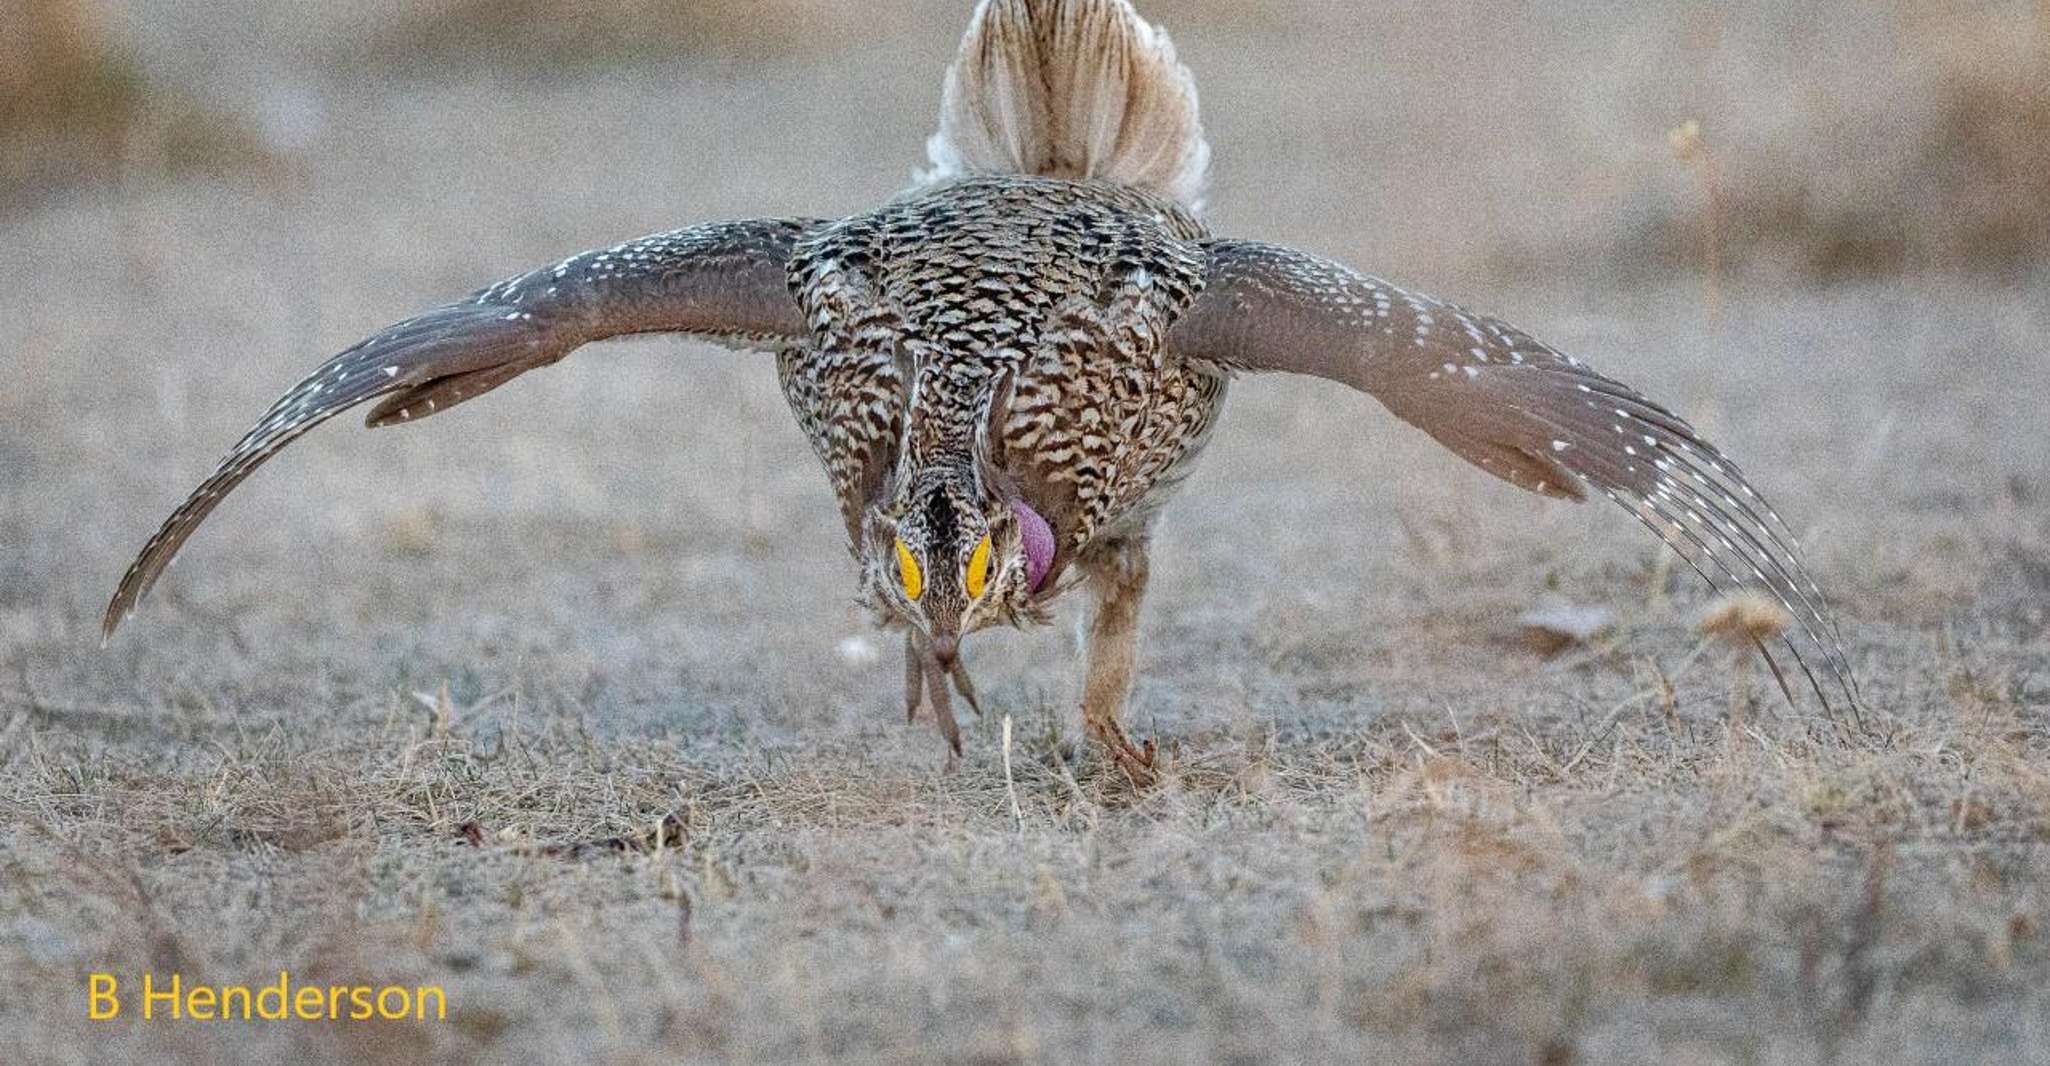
column 945, row 648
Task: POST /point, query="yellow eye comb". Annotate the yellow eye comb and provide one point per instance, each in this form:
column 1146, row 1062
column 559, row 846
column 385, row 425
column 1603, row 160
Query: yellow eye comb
column 978, row 569
column 908, row 572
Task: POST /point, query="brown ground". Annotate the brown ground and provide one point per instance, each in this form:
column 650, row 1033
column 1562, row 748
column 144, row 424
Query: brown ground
column 362, row 725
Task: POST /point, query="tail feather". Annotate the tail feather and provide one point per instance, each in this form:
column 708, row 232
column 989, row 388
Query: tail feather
column 1070, row 89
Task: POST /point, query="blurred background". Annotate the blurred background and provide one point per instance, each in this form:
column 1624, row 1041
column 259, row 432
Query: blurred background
column 1824, row 140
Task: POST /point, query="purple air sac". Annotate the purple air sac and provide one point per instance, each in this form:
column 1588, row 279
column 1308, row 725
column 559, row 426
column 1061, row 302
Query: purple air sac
column 1038, row 539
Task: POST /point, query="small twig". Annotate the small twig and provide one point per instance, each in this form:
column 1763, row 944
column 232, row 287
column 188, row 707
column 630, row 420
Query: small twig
column 1691, row 147
column 1674, row 675
column 1060, row 765
column 1596, row 735
column 683, row 916
column 14, row 723
column 1417, row 740
column 1010, row 785
column 668, row 833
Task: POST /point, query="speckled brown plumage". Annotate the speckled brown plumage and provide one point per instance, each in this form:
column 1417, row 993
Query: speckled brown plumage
column 1041, row 302
column 1006, row 370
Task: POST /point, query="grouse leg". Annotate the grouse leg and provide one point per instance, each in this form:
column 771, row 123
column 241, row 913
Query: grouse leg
column 1119, row 577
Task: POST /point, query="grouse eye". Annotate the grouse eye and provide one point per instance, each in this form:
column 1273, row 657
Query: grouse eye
column 978, row 568
column 908, row 572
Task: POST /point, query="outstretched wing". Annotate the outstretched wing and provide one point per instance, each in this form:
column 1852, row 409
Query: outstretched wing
column 1518, row 409
column 724, row 281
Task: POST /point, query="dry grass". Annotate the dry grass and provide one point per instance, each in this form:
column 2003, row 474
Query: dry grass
column 1649, row 885
column 545, row 701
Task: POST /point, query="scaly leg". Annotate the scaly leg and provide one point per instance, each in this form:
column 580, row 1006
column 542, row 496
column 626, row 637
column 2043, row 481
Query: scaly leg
column 1118, row 573
column 943, row 707
column 925, row 680
column 959, row 672
column 914, row 677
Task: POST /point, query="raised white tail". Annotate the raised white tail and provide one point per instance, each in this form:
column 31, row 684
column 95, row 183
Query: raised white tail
column 1070, row 89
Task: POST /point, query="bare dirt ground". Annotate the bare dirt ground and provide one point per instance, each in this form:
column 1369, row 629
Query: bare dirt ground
column 364, row 723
